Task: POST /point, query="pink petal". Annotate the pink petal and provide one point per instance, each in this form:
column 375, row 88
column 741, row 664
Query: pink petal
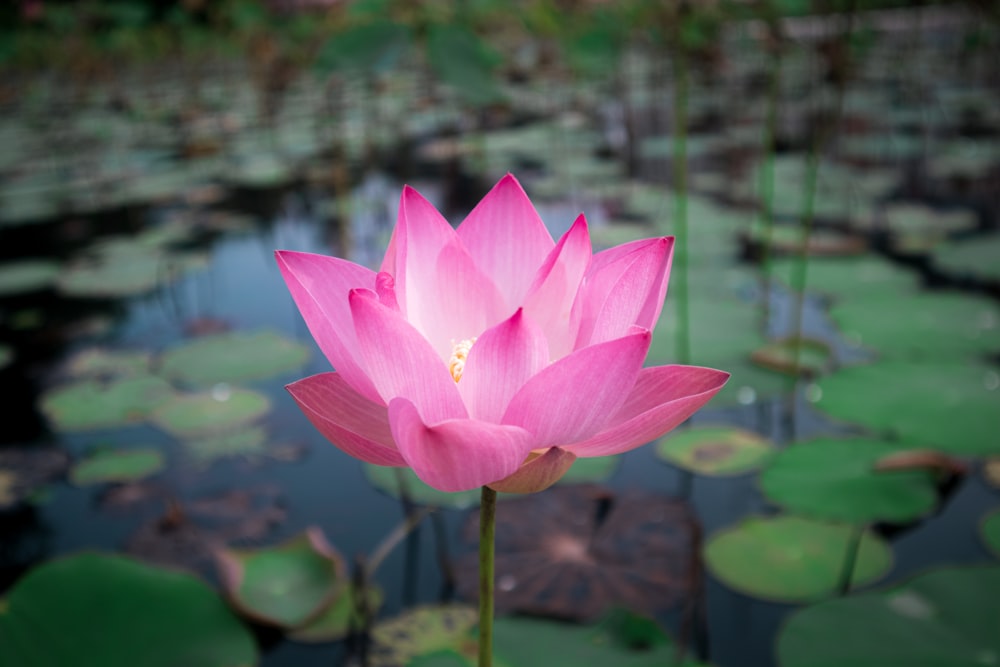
column 400, row 362
column 320, row 286
column 538, row 473
column 356, row 425
column 506, row 238
column 549, row 301
column 499, row 363
column 420, row 234
column 573, row 398
column 662, row 398
column 457, row 454
column 623, row 289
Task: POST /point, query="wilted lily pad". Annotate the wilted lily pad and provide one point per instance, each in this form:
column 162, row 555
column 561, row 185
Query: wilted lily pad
column 287, row 585
column 418, row 632
column 922, row 326
column 794, row 356
column 336, row 621
column 110, row 465
column 245, row 443
column 102, row 363
column 944, row 617
column 715, row 450
column 232, row 357
column 90, row 404
column 920, row 403
column 27, row 275
column 199, row 415
column 573, row 552
column 839, row 479
column 97, row 610
column 989, row 529
column 791, row 559
column 24, row 470
column 977, row 256
column 387, row 480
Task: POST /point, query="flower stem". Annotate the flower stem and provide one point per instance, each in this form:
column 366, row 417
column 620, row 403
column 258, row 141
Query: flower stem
column 487, row 529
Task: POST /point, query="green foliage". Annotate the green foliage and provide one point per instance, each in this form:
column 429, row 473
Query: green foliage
column 464, row 62
column 369, row 48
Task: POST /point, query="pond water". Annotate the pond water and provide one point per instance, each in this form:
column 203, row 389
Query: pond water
column 215, row 275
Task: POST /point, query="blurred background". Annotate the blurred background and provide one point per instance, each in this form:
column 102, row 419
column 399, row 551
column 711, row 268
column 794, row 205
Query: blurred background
column 831, row 170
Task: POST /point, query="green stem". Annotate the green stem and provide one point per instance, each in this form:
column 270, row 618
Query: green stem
column 679, row 287
column 850, row 559
column 767, row 184
column 487, row 529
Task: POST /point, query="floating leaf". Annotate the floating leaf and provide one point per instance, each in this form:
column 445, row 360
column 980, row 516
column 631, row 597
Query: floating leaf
column 989, row 529
column 593, row 469
column 119, row 273
column 976, row 256
column 419, row 631
column 245, row 443
column 27, row 275
column 715, row 450
column 287, row 585
column 97, row 610
column 387, row 480
column 919, row 403
column 337, row 619
column 575, row 551
column 90, row 404
column 841, row 277
column 463, row 61
column 200, row 415
column 944, row 617
column 101, row 363
column 109, row 465
column 838, row 479
column 791, row 559
column 24, row 470
column 809, row 356
column 232, row 357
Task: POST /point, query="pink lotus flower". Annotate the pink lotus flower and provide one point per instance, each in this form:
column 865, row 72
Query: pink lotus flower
column 490, row 355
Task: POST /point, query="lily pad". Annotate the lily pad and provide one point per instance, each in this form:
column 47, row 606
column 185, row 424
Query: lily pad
column 806, row 357
column 120, row 274
column 245, row 443
column 109, row 465
column 28, row 275
column 944, row 617
column 715, row 450
column 593, row 469
column 922, row 326
column 949, row 407
column 6, row 356
column 90, row 404
column 387, row 480
column 199, row 415
column 232, row 357
column 792, row 559
column 841, row 277
column 337, row 619
column 287, row 585
column 419, row 631
column 25, row 470
column 838, row 479
column 98, row 362
column 98, row 610
column 977, row 256
column 989, row 529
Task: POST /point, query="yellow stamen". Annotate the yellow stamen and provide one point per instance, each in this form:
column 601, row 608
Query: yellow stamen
column 459, row 353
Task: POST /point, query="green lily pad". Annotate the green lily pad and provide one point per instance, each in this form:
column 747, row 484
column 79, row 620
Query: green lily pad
column 975, row 256
column 29, row 275
column 247, row 443
column 232, row 357
column 286, row 586
column 98, row 362
column 715, row 450
column 837, row 479
column 950, row 407
column 790, row 356
column 593, row 469
column 337, row 619
column 840, row 277
column 419, row 631
column 98, row 610
column 944, row 617
column 89, row 404
column 387, row 480
column 791, row 559
column 120, row 274
column 916, row 227
column 24, row 472
column 989, row 530
column 198, row 415
column 931, row 326
column 127, row 465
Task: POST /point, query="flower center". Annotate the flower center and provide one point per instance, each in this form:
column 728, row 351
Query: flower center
column 459, row 353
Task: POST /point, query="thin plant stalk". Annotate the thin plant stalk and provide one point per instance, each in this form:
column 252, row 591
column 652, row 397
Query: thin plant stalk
column 679, row 288
column 850, row 559
column 487, row 531
column 766, row 185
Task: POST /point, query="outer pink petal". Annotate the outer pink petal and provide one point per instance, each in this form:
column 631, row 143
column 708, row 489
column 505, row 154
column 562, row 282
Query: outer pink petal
column 538, row 473
column 320, row 286
column 572, row 399
column 549, row 301
column 420, row 234
column 663, row 397
column 458, row 454
column 506, row 238
column 400, row 362
column 627, row 290
column 500, row 362
column 347, row 419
